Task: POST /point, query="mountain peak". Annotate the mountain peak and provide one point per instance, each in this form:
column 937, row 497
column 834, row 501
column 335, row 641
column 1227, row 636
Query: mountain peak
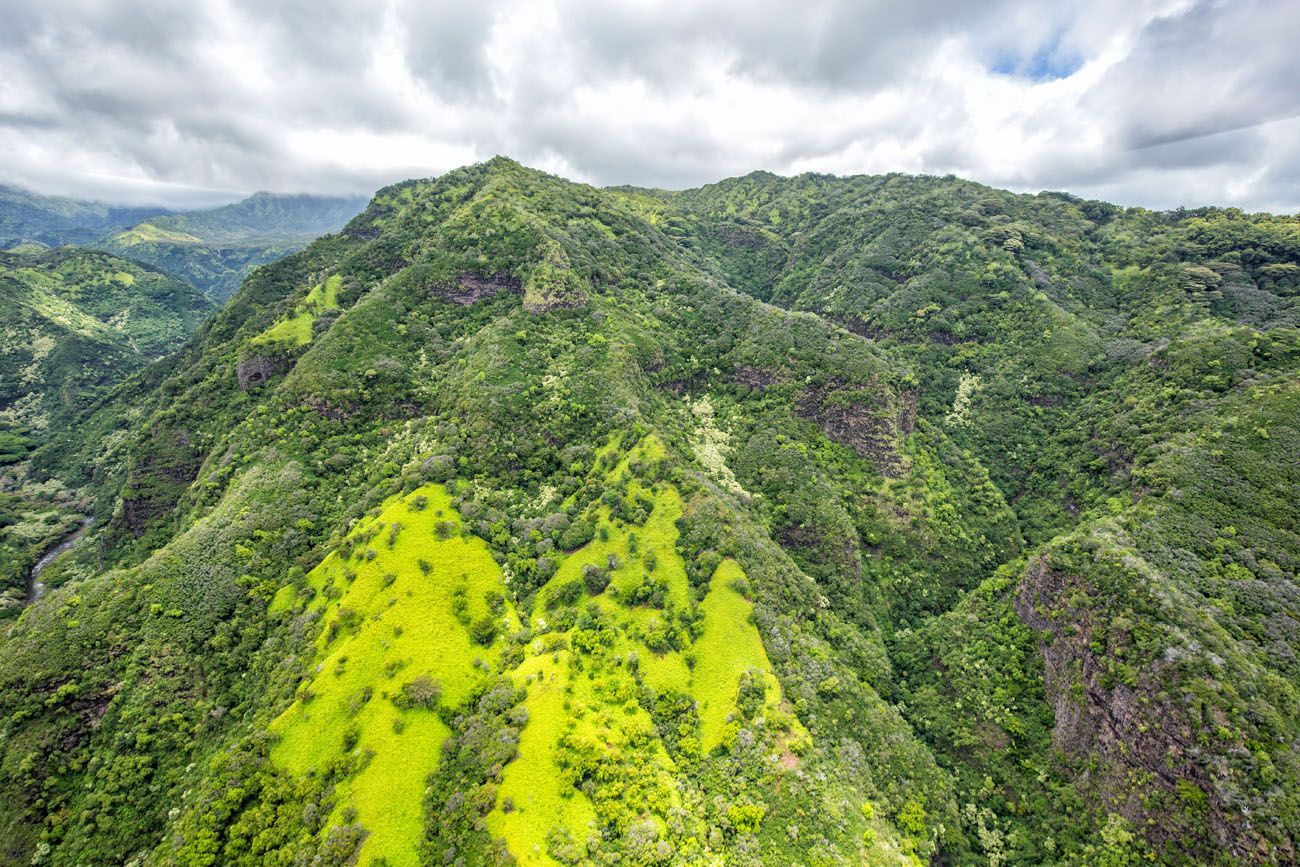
column 880, row 519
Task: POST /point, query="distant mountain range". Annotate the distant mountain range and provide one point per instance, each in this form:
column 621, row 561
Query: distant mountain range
column 211, row 249
column 50, row 221
column 215, row 250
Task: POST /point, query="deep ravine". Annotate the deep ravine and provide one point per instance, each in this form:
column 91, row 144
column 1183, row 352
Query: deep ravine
column 34, row 586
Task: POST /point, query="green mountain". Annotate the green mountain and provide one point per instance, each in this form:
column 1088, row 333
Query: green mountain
column 215, row 249
column 813, row 520
column 73, row 324
column 28, row 218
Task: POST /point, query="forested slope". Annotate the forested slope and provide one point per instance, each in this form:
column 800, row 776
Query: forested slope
column 73, row 324
column 803, row 520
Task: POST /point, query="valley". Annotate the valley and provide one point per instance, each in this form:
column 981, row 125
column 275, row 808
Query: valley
column 880, row 519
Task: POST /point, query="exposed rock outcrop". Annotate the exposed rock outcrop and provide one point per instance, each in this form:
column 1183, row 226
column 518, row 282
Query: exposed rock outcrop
column 753, row 377
column 257, row 369
column 1134, row 740
column 867, row 420
column 160, row 473
column 470, row 288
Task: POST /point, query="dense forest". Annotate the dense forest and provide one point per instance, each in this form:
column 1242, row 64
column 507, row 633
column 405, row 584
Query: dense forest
column 815, row 520
column 73, row 325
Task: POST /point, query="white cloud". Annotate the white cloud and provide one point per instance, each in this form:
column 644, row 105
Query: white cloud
column 1153, row 102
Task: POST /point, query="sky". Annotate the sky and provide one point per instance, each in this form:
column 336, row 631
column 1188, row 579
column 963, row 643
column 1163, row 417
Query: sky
column 1158, row 103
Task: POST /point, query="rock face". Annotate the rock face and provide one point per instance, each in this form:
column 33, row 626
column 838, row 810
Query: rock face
column 753, row 377
column 158, row 477
column 865, row 420
column 907, row 413
column 470, row 288
column 1135, row 737
column 257, row 369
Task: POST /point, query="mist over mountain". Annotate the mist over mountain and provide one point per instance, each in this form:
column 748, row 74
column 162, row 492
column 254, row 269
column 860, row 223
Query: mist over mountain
column 50, row 221
column 212, row 249
column 828, row 520
column 215, row 249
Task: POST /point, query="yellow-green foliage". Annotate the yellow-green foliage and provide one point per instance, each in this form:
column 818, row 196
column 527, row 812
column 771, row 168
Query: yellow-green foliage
column 729, row 646
column 530, row 784
column 393, row 622
column 583, row 714
column 296, row 329
column 148, row 233
column 388, row 608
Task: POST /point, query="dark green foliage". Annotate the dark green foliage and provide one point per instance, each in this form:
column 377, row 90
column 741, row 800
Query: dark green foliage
column 484, row 738
column 422, row 692
column 1011, row 483
column 73, row 325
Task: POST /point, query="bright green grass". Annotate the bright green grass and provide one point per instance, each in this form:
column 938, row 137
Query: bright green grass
column 595, row 706
column 657, row 535
column 148, row 233
column 729, row 646
column 589, row 699
column 404, row 627
column 664, row 672
column 530, row 781
column 296, row 329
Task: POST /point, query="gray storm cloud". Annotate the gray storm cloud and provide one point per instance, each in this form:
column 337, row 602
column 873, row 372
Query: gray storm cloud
column 1151, row 102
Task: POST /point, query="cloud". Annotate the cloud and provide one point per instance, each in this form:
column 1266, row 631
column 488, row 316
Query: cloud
column 1151, row 102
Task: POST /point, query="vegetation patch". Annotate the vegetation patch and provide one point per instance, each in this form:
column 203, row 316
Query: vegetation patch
column 399, row 603
column 296, row 329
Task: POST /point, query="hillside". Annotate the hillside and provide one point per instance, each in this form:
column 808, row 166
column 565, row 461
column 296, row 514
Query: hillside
column 52, row 221
column 73, row 324
column 812, row 520
column 215, row 249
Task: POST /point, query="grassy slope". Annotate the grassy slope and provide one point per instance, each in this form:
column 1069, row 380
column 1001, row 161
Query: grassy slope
column 295, row 330
column 727, row 648
column 397, row 624
column 568, row 703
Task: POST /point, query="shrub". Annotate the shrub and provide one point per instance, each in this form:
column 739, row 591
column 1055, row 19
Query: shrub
column 423, row 692
column 596, row 579
column 567, row 593
column 484, row 630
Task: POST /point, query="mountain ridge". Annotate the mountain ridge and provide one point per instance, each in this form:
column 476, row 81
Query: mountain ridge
column 214, row 249
column 926, row 479
column 51, row 221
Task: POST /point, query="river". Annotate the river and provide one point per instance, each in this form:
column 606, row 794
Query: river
column 34, row 586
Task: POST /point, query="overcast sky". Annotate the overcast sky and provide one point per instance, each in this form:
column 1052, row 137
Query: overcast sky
column 1143, row 102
